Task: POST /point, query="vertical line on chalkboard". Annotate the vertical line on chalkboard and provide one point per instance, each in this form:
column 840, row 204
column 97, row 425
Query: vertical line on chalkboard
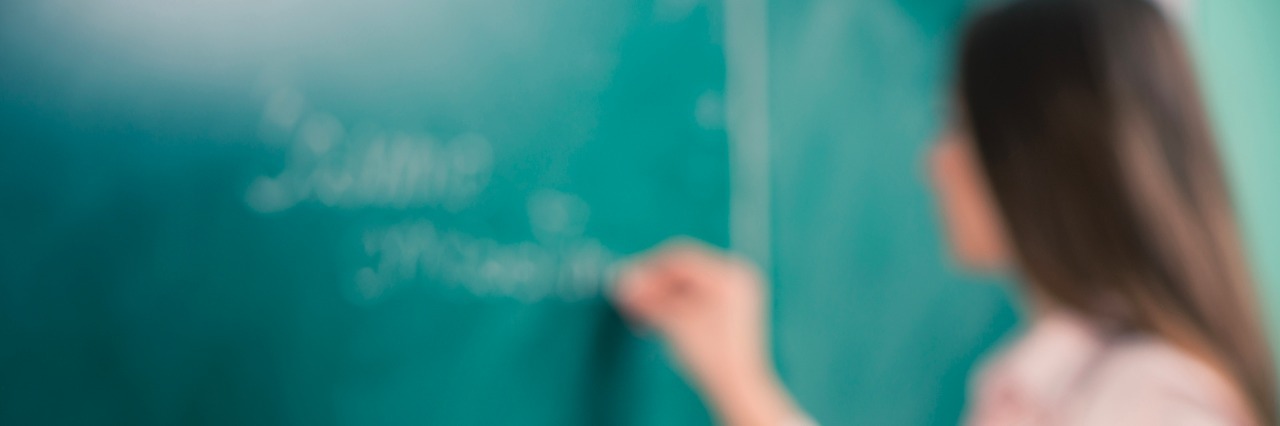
column 747, row 123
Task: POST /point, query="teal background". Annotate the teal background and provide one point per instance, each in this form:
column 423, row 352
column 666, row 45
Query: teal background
column 141, row 284
column 1235, row 44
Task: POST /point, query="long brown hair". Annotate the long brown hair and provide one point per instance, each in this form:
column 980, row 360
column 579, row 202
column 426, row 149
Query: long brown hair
column 1088, row 121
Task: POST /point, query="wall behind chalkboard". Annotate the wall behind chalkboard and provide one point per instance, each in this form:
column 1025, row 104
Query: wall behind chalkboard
column 1240, row 71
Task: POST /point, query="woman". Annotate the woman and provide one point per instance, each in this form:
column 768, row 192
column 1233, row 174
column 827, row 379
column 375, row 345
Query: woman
column 1079, row 159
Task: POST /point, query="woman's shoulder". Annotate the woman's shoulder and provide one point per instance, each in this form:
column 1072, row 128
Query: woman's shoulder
column 1146, row 380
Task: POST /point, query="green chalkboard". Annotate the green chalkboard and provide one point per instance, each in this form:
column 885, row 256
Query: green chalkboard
column 406, row 212
column 875, row 324
column 347, row 212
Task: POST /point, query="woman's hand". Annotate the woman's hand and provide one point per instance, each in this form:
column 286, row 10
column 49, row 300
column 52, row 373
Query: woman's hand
column 710, row 309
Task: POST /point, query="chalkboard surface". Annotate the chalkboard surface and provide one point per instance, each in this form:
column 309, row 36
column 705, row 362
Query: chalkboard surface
column 395, row 212
column 342, row 212
column 875, row 323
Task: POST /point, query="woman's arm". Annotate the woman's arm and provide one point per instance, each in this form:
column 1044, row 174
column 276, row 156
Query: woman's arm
column 710, row 310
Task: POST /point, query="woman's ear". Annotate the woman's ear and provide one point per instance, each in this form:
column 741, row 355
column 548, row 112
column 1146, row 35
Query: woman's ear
column 968, row 211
